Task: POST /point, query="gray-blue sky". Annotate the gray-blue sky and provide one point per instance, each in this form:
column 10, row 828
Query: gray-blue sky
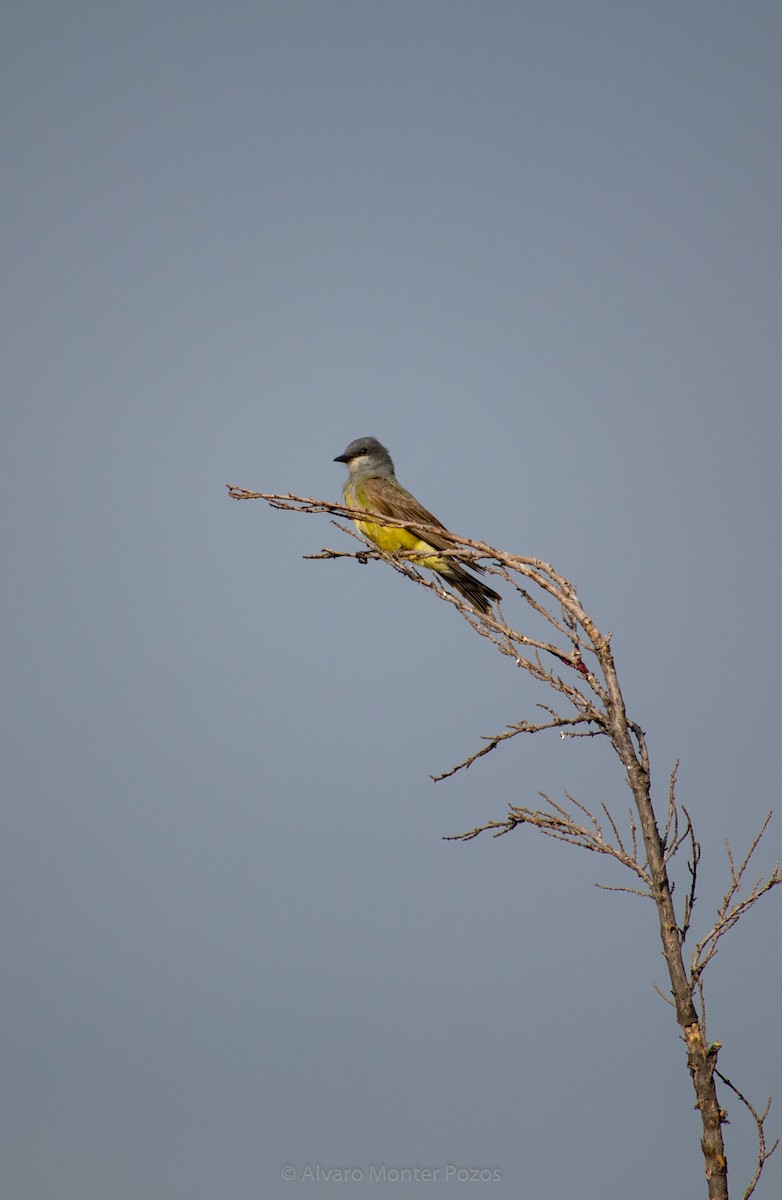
column 534, row 248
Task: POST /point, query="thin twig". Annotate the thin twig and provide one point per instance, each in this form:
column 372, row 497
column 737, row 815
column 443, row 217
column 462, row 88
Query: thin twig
column 759, row 1118
column 731, row 909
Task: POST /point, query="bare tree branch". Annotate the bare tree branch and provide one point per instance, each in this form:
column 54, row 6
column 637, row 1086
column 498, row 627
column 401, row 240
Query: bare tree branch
column 732, row 909
column 561, row 825
column 689, row 902
column 764, row 1154
column 512, row 731
column 562, row 649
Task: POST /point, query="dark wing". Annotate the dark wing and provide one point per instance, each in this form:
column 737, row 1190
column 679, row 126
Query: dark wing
column 390, row 499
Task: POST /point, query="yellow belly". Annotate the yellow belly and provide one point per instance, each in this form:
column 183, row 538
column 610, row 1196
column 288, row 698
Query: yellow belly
column 394, row 541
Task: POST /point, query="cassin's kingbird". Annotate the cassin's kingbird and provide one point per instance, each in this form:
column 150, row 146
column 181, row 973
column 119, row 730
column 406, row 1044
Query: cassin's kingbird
column 372, row 485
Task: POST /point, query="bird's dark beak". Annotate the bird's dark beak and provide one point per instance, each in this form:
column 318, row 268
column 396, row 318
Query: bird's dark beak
column 341, row 458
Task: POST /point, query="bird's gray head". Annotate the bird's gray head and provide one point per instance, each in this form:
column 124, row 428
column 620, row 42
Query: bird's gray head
column 366, row 453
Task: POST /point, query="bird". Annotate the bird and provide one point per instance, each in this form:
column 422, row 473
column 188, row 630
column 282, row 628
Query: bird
column 372, row 485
